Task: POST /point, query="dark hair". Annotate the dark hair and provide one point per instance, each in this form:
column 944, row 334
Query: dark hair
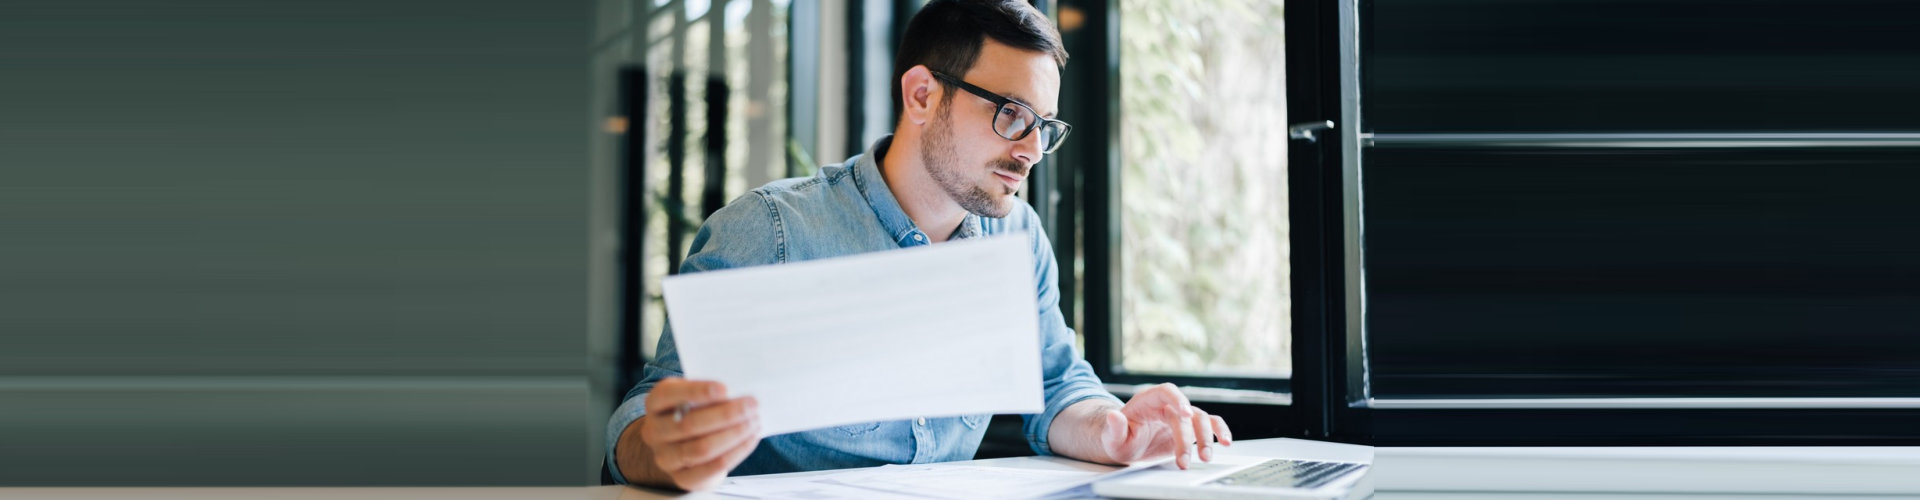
column 946, row 36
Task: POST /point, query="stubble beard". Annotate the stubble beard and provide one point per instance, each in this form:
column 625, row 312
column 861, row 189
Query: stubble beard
column 941, row 157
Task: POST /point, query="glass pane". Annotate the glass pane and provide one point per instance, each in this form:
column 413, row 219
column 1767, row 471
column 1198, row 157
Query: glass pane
column 1203, row 188
column 749, row 66
column 1642, row 273
column 1700, row 65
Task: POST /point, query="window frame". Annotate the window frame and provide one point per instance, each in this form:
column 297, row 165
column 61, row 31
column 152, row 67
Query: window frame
column 1838, row 421
column 1080, row 211
column 1329, row 398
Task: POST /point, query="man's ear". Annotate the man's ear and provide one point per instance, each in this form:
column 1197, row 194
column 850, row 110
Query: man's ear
column 918, row 89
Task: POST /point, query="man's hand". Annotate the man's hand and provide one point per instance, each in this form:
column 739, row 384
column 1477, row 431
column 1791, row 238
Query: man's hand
column 1157, row 422
column 695, row 434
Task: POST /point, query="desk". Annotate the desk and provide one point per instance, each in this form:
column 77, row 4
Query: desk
column 1399, row 474
column 1416, row 473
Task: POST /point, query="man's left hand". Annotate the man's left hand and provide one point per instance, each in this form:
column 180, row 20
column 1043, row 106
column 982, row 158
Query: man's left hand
column 1157, row 422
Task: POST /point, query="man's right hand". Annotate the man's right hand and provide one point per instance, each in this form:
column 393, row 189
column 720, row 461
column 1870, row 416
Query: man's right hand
column 695, row 433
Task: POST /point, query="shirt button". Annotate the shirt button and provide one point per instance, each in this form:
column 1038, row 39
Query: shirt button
column 918, row 237
column 921, row 422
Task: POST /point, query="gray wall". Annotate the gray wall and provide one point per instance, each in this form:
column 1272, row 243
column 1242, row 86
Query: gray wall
column 324, row 242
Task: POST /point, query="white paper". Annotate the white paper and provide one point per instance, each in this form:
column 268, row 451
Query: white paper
column 952, row 481
column 941, row 330
column 960, row 482
column 807, row 487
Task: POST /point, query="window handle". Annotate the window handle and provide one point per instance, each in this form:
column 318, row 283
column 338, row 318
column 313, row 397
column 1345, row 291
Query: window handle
column 1309, row 130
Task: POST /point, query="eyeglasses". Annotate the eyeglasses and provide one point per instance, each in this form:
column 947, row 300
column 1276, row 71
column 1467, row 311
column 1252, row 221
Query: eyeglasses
column 1015, row 120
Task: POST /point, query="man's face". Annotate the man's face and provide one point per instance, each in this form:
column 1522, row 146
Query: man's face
column 977, row 167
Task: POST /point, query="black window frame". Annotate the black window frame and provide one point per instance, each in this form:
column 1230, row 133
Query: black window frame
column 1394, row 423
column 1329, row 398
column 1080, row 210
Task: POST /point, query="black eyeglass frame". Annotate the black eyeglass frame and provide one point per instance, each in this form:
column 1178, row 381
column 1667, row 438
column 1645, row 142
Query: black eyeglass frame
column 1004, row 101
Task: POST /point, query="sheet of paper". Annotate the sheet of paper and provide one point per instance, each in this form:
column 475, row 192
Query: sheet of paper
column 949, row 481
column 940, row 330
column 807, row 487
column 960, row 482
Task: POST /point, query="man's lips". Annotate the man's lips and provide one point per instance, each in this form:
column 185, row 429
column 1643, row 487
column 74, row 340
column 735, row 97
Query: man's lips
column 1010, row 178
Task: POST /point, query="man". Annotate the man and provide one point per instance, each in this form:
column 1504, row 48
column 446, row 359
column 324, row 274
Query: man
column 977, row 82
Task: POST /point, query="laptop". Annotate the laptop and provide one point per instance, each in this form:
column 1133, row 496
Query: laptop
column 1289, row 473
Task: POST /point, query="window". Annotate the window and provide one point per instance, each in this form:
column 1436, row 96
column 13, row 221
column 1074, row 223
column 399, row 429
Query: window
column 1583, row 224
column 1203, row 189
column 1171, row 204
column 698, row 104
column 1534, row 223
column 709, row 85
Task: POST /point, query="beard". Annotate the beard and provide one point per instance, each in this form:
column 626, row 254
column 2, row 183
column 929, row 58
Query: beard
column 941, row 157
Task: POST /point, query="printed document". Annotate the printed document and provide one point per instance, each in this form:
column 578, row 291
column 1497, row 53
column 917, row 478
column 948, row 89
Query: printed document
column 1060, row 480
column 934, row 331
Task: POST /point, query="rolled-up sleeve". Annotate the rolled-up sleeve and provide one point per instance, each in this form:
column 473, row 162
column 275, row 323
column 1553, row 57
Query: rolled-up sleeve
column 1067, row 378
column 744, row 233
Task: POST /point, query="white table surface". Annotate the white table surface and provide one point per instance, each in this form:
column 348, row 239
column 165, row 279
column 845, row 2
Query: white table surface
column 1782, row 473
column 1689, row 473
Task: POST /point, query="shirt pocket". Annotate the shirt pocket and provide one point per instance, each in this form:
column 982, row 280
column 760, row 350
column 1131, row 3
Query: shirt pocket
column 975, row 421
column 859, row 429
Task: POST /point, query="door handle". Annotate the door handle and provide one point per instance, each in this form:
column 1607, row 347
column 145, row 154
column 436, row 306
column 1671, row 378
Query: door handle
column 1310, row 131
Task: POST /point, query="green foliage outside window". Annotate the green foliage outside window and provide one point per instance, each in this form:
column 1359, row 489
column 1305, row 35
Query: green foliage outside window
column 1204, row 244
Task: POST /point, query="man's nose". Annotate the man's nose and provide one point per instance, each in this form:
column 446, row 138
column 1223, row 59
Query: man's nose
column 1027, row 149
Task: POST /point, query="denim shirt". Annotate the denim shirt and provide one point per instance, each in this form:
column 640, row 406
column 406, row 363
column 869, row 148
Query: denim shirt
column 847, row 209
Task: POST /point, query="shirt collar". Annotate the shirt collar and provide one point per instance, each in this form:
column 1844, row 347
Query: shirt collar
column 866, row 177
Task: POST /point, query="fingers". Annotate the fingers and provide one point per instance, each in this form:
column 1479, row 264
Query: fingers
column 1190, row 431
column 673, row 392
column 1180, row 421
column 700, row 450
column 1220, row 429
column 1163, row 394
column 706, row 420
column 706, row 434
column 1203, row 433
column 707, row 475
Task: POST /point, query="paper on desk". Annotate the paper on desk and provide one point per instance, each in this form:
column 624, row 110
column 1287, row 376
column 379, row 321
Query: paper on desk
column 940, row 330
column 780, row 486
column 961, row 481
column 948, row 481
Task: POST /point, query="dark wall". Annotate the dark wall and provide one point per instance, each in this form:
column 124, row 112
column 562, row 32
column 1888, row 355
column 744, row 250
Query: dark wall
column 1644, row 273
column 1741, row 269
column 1640, row 65
column 337, row 242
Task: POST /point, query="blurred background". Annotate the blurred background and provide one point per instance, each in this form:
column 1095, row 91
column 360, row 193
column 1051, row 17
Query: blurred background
column 421, row 242
column 337, row 242
column 349, row 242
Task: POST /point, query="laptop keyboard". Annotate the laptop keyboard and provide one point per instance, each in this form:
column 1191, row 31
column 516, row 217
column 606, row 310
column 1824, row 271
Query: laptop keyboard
column 1278, row 473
